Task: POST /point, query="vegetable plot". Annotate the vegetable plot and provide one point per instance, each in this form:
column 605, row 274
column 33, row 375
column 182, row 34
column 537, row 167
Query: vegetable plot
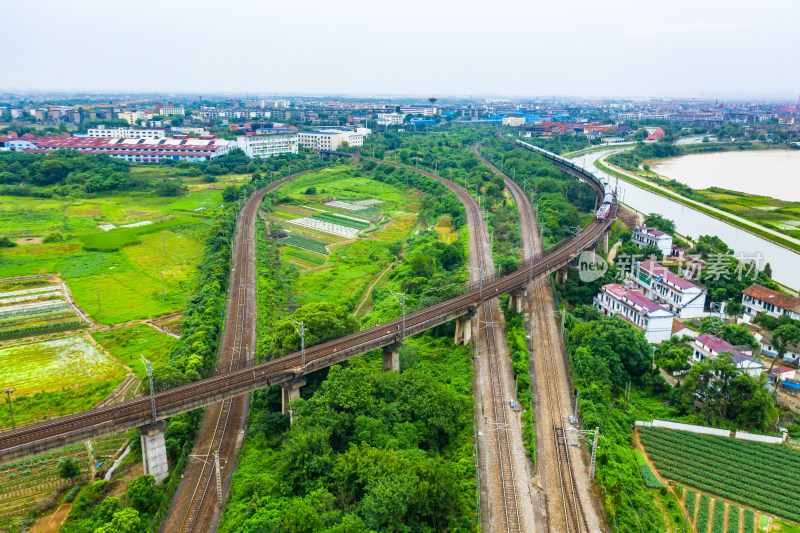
column 751, row 473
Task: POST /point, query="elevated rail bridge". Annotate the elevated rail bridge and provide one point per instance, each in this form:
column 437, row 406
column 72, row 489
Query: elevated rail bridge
column 54, row 434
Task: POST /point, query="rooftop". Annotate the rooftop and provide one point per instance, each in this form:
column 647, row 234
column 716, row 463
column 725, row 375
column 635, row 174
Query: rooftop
column 777, row 299
column 624, row 292
column 718, row 345
column 663, row 273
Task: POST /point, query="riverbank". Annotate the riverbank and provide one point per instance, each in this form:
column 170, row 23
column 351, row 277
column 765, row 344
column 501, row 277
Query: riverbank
column 739, row 222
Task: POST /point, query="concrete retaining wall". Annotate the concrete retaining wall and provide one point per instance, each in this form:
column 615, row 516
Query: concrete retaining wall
column 684, row 427
column 759, row 438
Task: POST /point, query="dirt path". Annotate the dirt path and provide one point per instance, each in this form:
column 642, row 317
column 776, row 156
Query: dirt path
column 52, row 523
column 372, row 286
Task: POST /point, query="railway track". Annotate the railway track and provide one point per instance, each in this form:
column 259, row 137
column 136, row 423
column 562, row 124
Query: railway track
column 498, row 408
column 196, row 505
column 567, row 501
column 51, row 434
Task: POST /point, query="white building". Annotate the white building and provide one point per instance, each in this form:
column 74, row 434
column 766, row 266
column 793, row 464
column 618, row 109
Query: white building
column 514, row 121
column 390, row 119
column 172, row 111
column 680, row 296
column 265, row 146
column 625, row 302
column 418, row 110
column 644, row 236
column 758, row 299
column 329, row 139
column 708, row 346
column 125, row 133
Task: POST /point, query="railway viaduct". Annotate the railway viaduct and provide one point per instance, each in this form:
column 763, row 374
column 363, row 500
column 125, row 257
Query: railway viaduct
column 288, row 371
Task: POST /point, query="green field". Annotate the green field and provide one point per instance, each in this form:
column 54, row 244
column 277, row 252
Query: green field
column 751, row 473
column 128, row 343
column 53, row 365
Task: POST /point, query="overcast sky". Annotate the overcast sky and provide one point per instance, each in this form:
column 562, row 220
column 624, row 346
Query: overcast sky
column 682, row 48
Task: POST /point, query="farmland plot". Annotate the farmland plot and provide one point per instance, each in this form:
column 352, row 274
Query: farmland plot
column 326, row 227
column 752, row 473
column 52, row 365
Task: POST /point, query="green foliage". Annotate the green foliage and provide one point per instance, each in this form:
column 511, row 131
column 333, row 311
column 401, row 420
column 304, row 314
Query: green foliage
column 726, row 392
column 631, row 159
column 751, row 473
column 113, row 240
column 518, row 348
column 68, row 468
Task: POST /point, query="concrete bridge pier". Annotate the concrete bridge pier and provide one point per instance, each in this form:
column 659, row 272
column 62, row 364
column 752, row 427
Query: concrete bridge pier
column 515, row 299
column 291, row 392
column 391, row 357
column 154, row 451
column 464, row 329
column 605, row 242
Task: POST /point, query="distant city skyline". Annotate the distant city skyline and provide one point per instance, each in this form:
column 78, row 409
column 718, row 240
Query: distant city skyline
column 581, row 49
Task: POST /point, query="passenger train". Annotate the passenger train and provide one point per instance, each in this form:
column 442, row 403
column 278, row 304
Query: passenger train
column 609, row 197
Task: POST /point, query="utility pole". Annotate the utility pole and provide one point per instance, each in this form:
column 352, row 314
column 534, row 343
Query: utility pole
column 149, row 369
column 300, row 327
column 403, row 302
column 594, row 452
column 8, row 392
column 162, row 286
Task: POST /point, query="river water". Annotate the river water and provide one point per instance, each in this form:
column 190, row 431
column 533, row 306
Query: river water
column 774, row 173
column 785, row 263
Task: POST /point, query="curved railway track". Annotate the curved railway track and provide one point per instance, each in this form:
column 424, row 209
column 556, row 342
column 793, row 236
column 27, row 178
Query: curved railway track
column 51, row 434
column 195, row 505
column 574, row 518
column 502, row 449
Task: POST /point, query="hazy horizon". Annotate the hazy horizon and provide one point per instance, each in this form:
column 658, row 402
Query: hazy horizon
column 582, row 50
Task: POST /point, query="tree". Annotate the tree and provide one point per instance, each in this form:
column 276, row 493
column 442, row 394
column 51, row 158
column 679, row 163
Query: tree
column 143, row 494
column 68, row 468
column 171, row 187
column 125, row 521
column 230, row 193
column 784, row 338
column 654, row 220
column 323, row 322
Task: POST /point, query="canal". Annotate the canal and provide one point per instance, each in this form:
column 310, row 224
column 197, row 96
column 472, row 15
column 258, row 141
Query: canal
column 784, row 262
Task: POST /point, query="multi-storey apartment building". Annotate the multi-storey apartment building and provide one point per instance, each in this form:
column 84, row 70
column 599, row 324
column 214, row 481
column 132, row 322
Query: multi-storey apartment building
column 679, row 295
column 627, row 303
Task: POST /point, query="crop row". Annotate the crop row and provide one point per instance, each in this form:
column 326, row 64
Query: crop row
column 749, row 521
column 691, row 502
column 307, row 244
column 344, row 221
column 39, row 330
column 777, row 455
column 703, row 512
column 33, row 309
column 718, row 522
column 49, row 288
column 733, row 518
column 327, row 227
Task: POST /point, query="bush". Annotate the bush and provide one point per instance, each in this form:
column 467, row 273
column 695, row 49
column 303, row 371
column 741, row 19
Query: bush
column 209, row 178
column 5, row 242
column 53, row 237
